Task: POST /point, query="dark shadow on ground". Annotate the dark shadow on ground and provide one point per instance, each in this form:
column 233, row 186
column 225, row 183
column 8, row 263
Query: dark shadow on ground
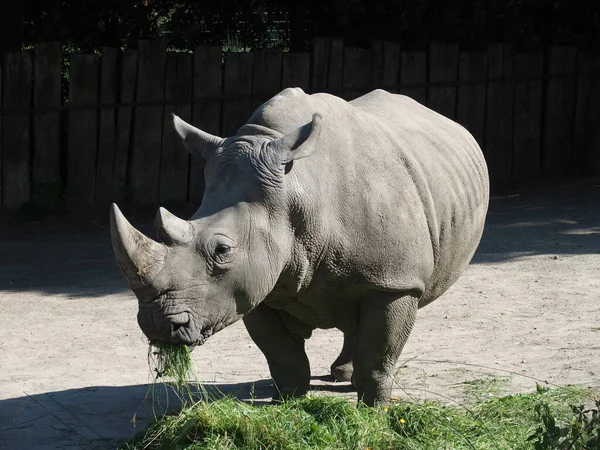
column 69, row 255
column 557, row 219
column 103, row 417
column 72, row 254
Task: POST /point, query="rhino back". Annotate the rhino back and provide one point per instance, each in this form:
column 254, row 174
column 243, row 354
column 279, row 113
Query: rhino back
column 395, row 197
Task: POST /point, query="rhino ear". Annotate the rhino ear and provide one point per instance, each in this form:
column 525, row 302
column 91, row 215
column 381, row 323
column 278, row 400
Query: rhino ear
column 196, row 141
column 299, row 143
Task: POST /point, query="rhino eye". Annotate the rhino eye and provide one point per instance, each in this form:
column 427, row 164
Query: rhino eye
column 222, row 249
column 221, row 253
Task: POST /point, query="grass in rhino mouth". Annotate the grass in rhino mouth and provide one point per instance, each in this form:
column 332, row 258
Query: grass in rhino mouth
column 171, row 362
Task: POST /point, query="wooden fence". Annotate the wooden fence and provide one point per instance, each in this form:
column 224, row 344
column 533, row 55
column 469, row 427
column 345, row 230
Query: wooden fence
column 110, row 138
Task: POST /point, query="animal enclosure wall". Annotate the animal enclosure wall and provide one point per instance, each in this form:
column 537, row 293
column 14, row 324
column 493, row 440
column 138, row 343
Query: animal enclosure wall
column 94, row 128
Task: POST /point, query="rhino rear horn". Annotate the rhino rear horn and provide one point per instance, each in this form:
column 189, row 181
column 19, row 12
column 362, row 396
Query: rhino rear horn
column 196, row 141
column 171, row 229
column 139, row 257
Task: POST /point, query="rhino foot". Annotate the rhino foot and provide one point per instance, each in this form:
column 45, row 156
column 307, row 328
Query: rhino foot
column 342, row 373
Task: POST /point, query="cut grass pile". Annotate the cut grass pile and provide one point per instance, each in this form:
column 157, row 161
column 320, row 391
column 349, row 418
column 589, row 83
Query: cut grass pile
column 332, row 423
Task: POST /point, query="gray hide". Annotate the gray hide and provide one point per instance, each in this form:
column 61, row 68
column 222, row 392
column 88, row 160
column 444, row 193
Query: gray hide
column 319, row 213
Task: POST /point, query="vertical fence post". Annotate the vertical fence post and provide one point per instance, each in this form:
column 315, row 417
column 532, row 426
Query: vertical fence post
column 413, row 70
column 335, row 71
column 83, row 130
column 266, row 79
column 390, row 67
column 559, row 112
column 174, row 158
column 296, row 71
column 357, row 71
column 46, row 125
column 499, row 122
column 107, row 132
column 587, row 113
column 206, row 114
column 376, row 76
column 527, row 117
column 1, row 133
column 129, row 68
column 320, row 64
column 443, row 68
column 16, row 133
column 237, row 83
column 147, row 133
column 470, row 107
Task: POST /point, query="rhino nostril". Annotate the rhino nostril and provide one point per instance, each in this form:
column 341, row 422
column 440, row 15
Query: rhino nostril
column 176, row 326
column 179, row 321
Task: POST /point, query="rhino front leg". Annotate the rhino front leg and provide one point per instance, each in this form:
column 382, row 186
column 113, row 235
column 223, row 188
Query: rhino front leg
column 283, row 348
column 341, row 369
column 384, row 326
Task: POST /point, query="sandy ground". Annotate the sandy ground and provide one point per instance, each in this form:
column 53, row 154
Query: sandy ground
column 73, row 362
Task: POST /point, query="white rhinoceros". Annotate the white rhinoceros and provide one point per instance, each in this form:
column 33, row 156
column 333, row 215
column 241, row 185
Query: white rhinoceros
column 318, row 213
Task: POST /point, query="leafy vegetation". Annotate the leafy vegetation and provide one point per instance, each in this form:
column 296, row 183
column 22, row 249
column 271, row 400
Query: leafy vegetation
column 266, row 23
column 509, row 423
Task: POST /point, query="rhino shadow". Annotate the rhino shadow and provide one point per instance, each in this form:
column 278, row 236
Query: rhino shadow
column 104, row 417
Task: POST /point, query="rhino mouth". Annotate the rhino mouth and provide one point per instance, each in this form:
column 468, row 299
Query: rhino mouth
column 177, row 329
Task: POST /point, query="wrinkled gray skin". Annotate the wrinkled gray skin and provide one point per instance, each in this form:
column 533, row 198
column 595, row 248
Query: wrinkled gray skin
column 319, row 213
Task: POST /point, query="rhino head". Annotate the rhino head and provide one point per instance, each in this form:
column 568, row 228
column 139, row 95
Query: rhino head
column 207, row 272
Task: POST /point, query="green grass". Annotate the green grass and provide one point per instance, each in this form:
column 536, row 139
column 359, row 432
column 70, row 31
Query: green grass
column 172, row 362
column 333, row 423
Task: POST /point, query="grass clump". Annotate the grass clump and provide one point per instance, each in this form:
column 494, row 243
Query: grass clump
column 172, row 362
column 507, row 423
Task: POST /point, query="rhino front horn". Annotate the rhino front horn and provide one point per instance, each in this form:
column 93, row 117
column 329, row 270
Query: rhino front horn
column 171, row 229
column 139, row 257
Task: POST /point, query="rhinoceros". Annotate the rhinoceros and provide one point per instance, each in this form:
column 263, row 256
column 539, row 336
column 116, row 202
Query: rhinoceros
column 318, row 213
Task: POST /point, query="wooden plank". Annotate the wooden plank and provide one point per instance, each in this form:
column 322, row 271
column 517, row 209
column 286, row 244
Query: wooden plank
column 413, row 70
column 296, row 71
column 128, row 67
column 266, row 80
column 443, row 68
column 357, row 72
column 592, row 147
column 587, row 115
column 1, row 135
column 527, row 117
column 559, row 112
column 336, row 65
column 238, row 84
column 499, row 121
column 83, row 130
column 376, row 65
column 320, row 64
column 390, row 67
column 107, row 133
column 16, row 129
column 207, row 108
column 147, row 132
column 470, row 107
column 174, row 159
column 46, row 126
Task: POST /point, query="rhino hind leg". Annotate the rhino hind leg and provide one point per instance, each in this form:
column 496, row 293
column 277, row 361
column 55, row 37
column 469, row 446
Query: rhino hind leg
column 342, row 368
column 283, row 350
column 384, row 327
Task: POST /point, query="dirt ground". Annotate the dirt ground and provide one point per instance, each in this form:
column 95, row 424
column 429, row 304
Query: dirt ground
column 73, row 362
